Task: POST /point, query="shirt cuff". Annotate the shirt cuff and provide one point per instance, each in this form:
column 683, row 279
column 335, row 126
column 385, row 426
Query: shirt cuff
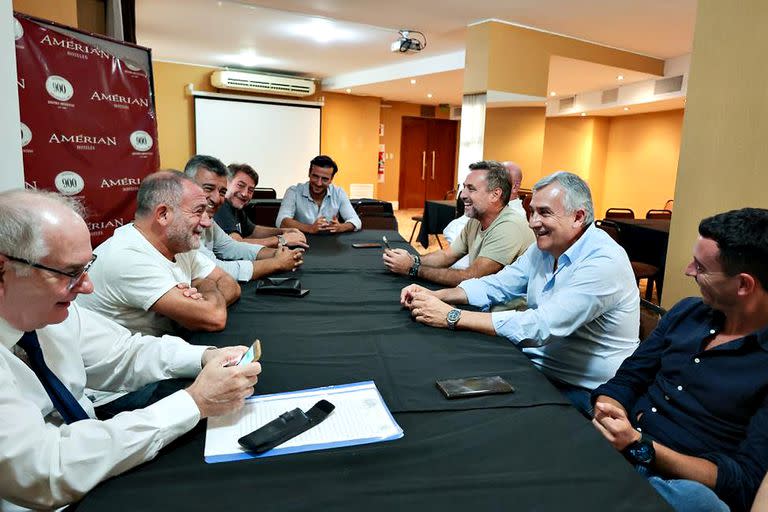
column 244, row 270
column 476, row 296
column 175, row 414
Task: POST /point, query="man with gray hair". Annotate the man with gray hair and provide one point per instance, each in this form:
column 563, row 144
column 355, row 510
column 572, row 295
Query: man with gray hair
column 52, row 449
column 583, row 311
column 243, row 261
column 150, row 276
column 493, row 237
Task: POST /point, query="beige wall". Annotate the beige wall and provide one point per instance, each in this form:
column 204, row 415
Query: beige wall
column 61, row 11
column 175, row 110
column 392, row 119
column 723, row 155
column 525, row 54
column 516, row 134
column 349, row 127
column 350, row 135
column 641, row 165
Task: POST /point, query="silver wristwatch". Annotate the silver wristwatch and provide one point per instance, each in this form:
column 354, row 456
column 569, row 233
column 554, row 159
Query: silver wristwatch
column 280, row 240
column 453, row 318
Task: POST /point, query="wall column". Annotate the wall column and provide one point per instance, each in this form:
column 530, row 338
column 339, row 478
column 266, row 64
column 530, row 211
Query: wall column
column 723, row 155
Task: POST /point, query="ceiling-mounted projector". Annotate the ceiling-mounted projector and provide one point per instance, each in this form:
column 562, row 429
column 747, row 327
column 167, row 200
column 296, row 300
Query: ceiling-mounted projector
column 406, row 43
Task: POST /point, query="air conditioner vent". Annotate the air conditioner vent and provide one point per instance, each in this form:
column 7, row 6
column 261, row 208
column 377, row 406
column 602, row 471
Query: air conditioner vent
column 667, row 85
column 610, row 96
column 566, row 103
column 254, row 82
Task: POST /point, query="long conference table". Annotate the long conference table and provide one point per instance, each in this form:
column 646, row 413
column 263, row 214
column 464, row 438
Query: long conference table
column 524, row 451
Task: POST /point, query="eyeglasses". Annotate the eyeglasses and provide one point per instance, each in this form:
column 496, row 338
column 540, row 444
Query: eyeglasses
column 74, row 277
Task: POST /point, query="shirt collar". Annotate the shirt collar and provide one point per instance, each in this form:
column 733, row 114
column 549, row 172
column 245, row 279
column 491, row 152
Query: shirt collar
column 305, row 191
column 9, row 336
column 579, row 249
column 716, row 320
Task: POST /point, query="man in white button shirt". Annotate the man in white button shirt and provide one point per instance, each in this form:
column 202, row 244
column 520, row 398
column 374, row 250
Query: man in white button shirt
column 45, row 252
column 583, row 313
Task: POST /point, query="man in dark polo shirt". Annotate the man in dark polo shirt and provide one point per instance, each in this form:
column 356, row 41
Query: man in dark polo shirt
column 690, row 407
column 241, row 183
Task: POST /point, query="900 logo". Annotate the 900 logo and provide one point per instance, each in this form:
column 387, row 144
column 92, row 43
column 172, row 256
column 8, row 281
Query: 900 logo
column 141, row 140
column 59, row 88
column 69, row 183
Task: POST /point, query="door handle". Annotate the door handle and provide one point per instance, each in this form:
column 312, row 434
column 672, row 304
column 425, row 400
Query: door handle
column 433, row 166
column 423, row 164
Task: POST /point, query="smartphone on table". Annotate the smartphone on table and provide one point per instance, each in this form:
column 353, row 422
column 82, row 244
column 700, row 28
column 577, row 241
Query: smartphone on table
column 386, row 242
column 474, row 386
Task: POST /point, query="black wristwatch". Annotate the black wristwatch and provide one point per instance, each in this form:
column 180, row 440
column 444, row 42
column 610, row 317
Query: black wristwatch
column 640, row 452
column 414, row 270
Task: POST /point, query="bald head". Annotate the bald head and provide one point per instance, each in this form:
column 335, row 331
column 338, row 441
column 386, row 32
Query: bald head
column 515, row 175
column 31, row 217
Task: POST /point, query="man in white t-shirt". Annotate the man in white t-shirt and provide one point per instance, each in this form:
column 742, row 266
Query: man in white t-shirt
column 515, row 205
column 150, row 276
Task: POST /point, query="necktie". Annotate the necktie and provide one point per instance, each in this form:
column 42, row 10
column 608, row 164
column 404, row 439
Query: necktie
column 62, row 399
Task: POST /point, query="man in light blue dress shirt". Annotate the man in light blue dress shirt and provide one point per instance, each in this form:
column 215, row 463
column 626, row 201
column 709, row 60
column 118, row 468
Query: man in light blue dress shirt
column 583, row 311
column 315, row 206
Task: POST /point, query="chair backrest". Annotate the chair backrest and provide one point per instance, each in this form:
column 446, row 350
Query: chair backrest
column 264, row 193
column 364, row 206
column 609, row 227
column 658, row 214
column 526, row 204
column 650, row 314
column 669, row 204
column 379, row 221
column 263, row 212
column 452, row 194
column 619, row 213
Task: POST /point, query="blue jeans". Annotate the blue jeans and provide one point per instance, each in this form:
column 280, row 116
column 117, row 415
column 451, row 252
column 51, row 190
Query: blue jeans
column 685, row 495
column 578, row 396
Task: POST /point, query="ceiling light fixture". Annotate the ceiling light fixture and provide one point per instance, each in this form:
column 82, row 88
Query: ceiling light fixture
column 626, row 109
column 583, row 114
column 429, row 95
column 553, row 93
column 620, row 77
column 322, row 31
column 413, row 81
column 349, row 91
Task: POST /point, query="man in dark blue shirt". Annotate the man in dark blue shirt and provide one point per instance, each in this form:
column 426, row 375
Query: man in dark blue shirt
column 690, row 407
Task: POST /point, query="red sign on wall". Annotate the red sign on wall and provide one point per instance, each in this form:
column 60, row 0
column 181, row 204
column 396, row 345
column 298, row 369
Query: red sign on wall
column 88, row 128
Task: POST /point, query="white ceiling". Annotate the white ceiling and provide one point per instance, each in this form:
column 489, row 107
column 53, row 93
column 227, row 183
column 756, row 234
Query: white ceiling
column 347, row 42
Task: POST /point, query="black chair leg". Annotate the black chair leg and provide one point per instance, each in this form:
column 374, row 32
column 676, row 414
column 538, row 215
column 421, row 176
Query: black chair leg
column 413, row 231
column 649, row 289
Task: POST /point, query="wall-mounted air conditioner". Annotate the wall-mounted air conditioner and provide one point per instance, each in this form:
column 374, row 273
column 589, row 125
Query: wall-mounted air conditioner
column 256, row 82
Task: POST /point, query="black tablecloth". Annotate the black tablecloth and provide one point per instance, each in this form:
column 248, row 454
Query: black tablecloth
column 524, row 451
column 645, row 240
column 437, row 215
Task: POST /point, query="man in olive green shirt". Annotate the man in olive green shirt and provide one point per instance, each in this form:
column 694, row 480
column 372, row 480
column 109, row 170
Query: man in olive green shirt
column 493, row 237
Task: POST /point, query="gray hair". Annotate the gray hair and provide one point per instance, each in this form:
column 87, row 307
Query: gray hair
column 207, row 162
column 21, row 235
column 163, row 187
column 577, row 194
column 496, row 176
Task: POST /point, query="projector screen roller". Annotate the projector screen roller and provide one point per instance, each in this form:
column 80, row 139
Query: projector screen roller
column 278, row 140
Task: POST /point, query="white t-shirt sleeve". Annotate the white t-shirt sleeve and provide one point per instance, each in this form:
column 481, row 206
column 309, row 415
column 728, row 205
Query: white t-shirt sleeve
column 201, row 267
column 142, row 281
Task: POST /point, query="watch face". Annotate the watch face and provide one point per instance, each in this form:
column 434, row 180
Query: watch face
column 454, row 315
column 642, row 452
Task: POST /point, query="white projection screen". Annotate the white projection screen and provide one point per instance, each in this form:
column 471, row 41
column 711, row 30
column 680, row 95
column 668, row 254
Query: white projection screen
column 276, row 139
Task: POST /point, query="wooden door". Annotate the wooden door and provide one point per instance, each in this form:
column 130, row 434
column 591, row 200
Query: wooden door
column 413, row 162
column 441, row 158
